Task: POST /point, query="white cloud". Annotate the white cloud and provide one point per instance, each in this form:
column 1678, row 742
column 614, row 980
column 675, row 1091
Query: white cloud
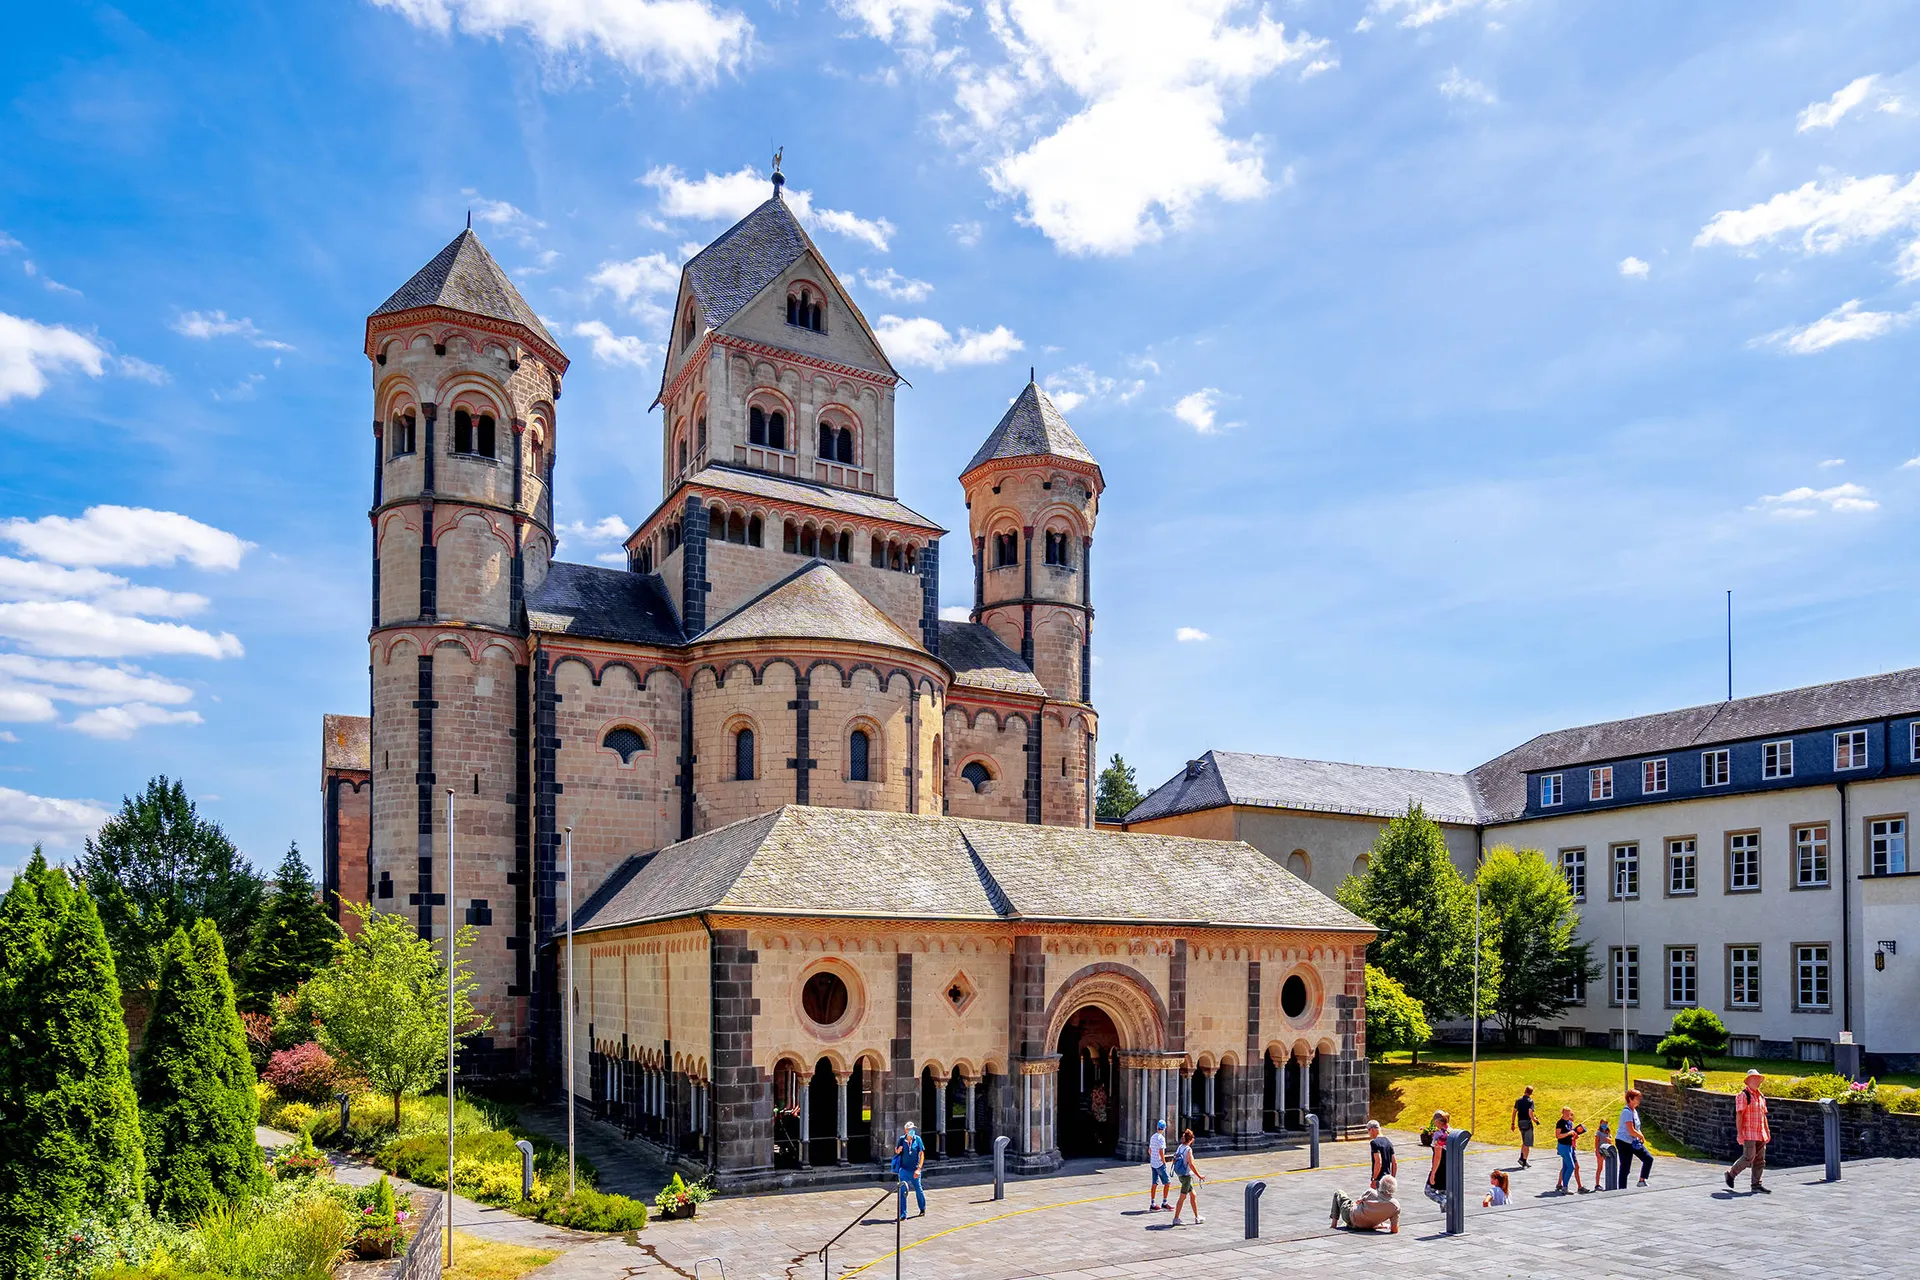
column 908, row 21
column 30, row 352
column 124, row 721
column 611, row 557
column 1825, row 115
column 1833, row 462
column 207, row 325
column 1826, row 217
column 134, row 367
column 510, row 220
column 52, row 285
column 955, row 613
column 1635, row 268
column 1911, row 464
column 1078, row 384
column 731, row 196
column 874, row 231
column 927, row 343
column 41, row 682
column 1464, row 88
column 1805, row 501
column 30, row 819
column 34, row 580
column 81, row 629
column 891, row 284
column 106, row 535
column 605, row 529
column 1190, row 635
column 638, row 278
column 1845, row 323
column 966, row 234
column 613, row 348
column 1198, row 410
column 1421, row 13
column 674, row 40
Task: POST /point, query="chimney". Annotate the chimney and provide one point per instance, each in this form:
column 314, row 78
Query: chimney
column 1195, row 768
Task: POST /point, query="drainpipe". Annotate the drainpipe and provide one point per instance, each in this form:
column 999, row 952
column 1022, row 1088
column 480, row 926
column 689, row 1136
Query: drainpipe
column 713, row 1056
column 1846, row 919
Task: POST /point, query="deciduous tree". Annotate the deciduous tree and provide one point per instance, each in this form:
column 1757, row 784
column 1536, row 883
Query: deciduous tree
column 1395, row 1019
column 1528, row 911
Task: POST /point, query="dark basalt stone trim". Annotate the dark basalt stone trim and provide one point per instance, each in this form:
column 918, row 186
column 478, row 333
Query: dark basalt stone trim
column 423, row 782
column 930, row 597
column 693, row 567
column 802, row 762
column 1033, row 770
column 521, row 941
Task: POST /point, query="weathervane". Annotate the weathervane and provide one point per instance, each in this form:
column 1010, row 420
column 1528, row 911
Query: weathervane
column 779, row 179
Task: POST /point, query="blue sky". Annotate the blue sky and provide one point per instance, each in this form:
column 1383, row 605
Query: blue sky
column 1447, row 359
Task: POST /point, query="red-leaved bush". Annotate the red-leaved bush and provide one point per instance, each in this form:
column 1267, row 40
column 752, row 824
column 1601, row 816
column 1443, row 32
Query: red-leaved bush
column 259, row 1029
column 304, row 1071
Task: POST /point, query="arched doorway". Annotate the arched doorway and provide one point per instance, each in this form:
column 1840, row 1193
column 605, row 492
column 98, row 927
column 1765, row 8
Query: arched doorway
column 824, row 1100
column 1088, row 1097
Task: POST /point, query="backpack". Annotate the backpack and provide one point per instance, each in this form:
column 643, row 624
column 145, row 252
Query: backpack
column 1180, row 1161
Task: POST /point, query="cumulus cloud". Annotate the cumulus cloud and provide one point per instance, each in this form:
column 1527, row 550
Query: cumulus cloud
column 728, row 197
column 1464, row 88
column 113, row 535
column 83, row 629
column 1825, row 217
column 141, row 370
column 1190, row 635
column 207, row 325
column 1806, row 501
column 891, row 284
column 909, row 22
column 1424, row 13
column 1079, row 384
column 30, row 819
column 927, row 343
column 1845, row 323
column 613, row 348
column 1198, row 409
column 34, row 580
column 123, row 722
column 955, row 613
column 510, row 220
column 1833, row 462
column 605, row 529
column 1825, row 115
column 30, row 687
column 672, row 40
column 637, row 279
column 1635, row 268
column 31, row 352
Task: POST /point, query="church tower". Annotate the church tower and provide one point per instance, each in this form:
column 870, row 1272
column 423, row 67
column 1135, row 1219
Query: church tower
column 465, row 380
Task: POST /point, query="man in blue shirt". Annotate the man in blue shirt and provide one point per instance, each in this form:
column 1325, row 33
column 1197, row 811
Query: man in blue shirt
column 909, row 1157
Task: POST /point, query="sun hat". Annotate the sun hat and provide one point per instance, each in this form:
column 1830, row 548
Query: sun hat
column 1756, row 1073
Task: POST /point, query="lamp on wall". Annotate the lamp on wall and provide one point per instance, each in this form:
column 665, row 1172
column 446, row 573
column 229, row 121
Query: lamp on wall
column 1881, row 950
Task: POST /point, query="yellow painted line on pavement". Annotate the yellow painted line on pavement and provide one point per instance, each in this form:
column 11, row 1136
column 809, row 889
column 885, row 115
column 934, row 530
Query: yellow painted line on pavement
column 1068, row 1204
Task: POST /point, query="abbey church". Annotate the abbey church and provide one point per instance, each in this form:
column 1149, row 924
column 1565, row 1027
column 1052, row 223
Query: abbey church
column 833, row 859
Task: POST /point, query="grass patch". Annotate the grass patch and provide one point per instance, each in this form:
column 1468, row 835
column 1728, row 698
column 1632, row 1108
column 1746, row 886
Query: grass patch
column 478, row 1259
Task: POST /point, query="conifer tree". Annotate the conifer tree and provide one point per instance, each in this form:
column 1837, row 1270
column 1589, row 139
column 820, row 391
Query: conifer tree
column 292, row 940
column 1118, row 791
column 71, row 1126
column 197, row 1102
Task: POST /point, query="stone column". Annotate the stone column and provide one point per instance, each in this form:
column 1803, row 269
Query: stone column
column 845, row 1080
column 971, row 1086
column 939, row 1135
column 1306, row 1088
column 805, row 1089
column 1212, row 1122
column 1186, row 1099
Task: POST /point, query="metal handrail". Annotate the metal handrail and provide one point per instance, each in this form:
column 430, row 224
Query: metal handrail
column 723, row 1267
column 857, row 1218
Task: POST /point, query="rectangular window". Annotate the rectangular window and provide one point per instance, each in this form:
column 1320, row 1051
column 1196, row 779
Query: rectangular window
column 1743, row 977
column 1913, row 742
column 1683, row 977
column 1550, row 790
column 1810, row 856
column 1715, row 767
column 1743, row 861
column 1887, row 846
column 1813, row 1050
column 1626, row 871
column 1600, row 783
column 1812, row 978
column 1653, row 777
column 1624, row 964
column 1743, row 1046
column 1573, row 865
column 1577, row 989
column 1683, row 867
column 1776, row 759
column 1850, row 749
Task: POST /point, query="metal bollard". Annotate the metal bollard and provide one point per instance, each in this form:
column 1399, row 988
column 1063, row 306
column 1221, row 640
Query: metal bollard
column 1000, row 1167
column 1830, row 1120
column 526, row 1168
column 1313, row 1142
column 1456, row 1166
column 1254, row 1191
column 346, row 1113
column 1613, row 1180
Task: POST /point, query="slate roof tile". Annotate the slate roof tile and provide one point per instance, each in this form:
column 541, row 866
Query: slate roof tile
column 811, row 603
column 603, row 604
column 346, row 742
column 1031, row 428
column 1320, row 786
column 982, row 660
column 464, row 277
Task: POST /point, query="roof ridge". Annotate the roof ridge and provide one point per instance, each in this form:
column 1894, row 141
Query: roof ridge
column 995, row 893
column 873, row 610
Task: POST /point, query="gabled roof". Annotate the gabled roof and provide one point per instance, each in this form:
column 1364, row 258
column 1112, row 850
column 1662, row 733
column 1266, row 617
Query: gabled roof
column 1032, row 428
column 1320, row 786
column 464, row 277
column 799, row 860
column 982, row 660
column 603, row 604
column 1502, row 781
column 346, row 743
column 811, row 603
column 761, row 484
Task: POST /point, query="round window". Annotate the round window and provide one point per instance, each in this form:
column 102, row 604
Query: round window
column 1293, row 996
column 824, row 999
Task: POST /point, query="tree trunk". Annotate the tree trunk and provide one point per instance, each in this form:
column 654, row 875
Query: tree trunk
column 1414, row 1061
column 396, row 1108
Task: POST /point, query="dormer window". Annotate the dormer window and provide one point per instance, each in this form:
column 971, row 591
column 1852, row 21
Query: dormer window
column 804, row 311
column 473, row 433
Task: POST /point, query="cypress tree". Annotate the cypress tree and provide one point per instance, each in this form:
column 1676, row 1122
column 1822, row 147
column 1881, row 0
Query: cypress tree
column 293, row 939
column 72, row 1144
column 196, row 1083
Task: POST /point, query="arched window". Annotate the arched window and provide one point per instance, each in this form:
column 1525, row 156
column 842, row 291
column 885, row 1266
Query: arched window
column 809, row 541
column 846, row 547
column 1361, row 863
column 908, row 565
column 539, row 461
column 879, row 553
column 858, row 746
column 803, row 311
column 743, row 755
column 754, row 531
column 673, row 538
column 1300, row 864
column 462, row 431
column 483, row 437
column 1057, row 549
column 893, row 555
column 1006, row 550
column 737, row 528
column 844, row 442
column 625, row 743
column 686, row 328
column 473, row 435
column 400, row 436
column 776, row 430
column 826, row 441
column 645, row 563
column 682, row 454
column 716, row 525
column 790, row 539
column 977, row 774
column 700, row 435
column 756, row 425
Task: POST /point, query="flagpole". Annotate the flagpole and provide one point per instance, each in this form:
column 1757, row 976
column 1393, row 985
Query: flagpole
column 1473, row 1108
column 450, row 933
column 567, row 996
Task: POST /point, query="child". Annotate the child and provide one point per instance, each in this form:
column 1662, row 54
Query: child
column 1566, row 1133
column 1602, row 1148
column 1186, row 1170
column 1497, row 1196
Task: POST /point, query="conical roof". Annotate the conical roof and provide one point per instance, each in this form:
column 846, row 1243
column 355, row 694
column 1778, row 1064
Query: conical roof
column 464, row 277
column 1032, row 428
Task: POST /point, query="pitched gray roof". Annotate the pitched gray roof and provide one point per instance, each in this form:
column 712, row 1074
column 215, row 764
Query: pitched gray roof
column 744, row 259
column 982, row 660
column 759, row 484
column 1320, row 786
column 1031, row 428
column 603, row 604
column 1502, row 782
column 346, row 742
column 847, row 862
column 811, row 603
column 464, row 277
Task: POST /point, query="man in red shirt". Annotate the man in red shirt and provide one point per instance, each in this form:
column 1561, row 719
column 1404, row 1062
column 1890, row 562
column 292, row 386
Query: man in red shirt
column 1750, row 1127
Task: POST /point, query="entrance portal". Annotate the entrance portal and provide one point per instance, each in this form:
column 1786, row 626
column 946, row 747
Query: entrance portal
column 1088, row 1119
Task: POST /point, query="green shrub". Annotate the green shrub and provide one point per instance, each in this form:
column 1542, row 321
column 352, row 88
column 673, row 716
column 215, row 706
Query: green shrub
column 486, row 1165
column 377, row 1229
column 301, row 1241
column 1695, row 1036
column 371, row 1127
column 293, row 1117
column 1813, row 1088
column 1904, row 1101
column 588, row 1210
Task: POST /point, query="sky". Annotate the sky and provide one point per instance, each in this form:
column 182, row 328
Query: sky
column 1447, row 360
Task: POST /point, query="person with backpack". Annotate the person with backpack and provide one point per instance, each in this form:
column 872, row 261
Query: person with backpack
column 1437, row 1173
column 1186, row 1170
column 1161, row 1185
column 1750, row 1129
column 909, row 1158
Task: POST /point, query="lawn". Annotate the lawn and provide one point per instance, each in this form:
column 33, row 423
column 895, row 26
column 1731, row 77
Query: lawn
column 477, row 1259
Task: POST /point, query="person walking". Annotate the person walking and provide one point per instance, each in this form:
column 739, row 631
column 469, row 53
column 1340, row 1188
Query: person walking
column 1522, row 1120
column 1161, row 1185
column 909, row 1158
column 1186, row 1170
column 1377, row 1207
column 1437, row 1172
column 1630, row 1142
column 1602, row 1148
column 1750, row 1128
column 1566, row 1133
column 1380, row 1152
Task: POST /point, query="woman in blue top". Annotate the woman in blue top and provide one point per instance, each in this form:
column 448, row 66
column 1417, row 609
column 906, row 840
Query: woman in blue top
column 1630, row 1142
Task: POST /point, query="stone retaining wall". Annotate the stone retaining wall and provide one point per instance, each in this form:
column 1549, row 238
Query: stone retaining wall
column 426, row 1251
column 1703, row 1119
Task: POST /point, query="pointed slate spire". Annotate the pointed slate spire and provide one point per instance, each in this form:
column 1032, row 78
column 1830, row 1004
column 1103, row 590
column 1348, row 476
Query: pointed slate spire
column 1032, row 428
column 464, row 277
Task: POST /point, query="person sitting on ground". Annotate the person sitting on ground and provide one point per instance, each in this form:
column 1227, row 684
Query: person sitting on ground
column 1437, row 1172
column 1375, row 1208
column 1566, row 1133
column 1380, row 1154
column 1499, row 1193
column 1602, row 1148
